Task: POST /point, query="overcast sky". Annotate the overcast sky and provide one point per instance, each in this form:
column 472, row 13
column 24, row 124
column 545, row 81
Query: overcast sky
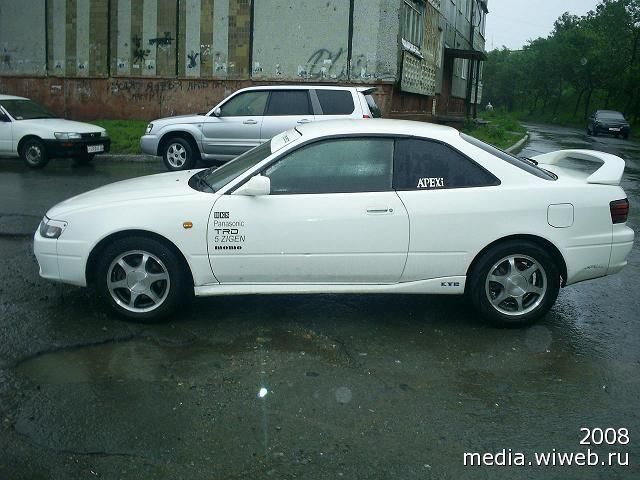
column 512, row 22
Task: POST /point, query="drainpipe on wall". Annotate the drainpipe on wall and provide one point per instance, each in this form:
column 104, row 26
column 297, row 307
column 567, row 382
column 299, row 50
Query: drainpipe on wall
column 470, row 66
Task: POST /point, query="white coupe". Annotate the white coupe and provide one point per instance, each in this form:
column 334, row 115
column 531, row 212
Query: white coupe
column 374, row 206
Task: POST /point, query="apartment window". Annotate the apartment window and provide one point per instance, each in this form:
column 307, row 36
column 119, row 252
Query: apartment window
column 464, row 67
column 412, row 21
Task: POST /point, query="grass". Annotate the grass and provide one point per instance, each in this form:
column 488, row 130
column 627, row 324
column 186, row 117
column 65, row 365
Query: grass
column 125, row 134
column 502, row 129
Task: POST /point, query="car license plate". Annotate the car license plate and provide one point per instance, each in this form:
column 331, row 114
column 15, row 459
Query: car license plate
column 614, row 129
column 95, row 148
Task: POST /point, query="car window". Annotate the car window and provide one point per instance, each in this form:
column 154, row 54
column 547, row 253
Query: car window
column 248, row 104
column 610, row 116
column 26, row 109
column 336, row 102
column 507, row 157
column 335, row 166
column 431, row 165
column 373, row 106
column 289, row 102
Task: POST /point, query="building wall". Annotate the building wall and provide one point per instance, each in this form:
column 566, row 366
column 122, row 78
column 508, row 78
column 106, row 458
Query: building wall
column 22, row 38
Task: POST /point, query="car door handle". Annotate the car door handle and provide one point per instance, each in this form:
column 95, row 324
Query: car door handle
column 304, row 120
column 250, row 122
column 379, row 211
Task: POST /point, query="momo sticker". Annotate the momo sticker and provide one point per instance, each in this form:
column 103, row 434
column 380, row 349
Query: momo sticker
column 431, row 182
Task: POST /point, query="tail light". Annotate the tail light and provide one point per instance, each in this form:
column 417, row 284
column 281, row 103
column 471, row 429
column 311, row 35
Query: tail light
column 366, row 116
column 619, row 210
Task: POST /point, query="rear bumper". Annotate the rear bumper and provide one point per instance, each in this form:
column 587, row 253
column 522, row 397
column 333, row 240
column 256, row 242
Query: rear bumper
column 76, row 148
column 620, row 248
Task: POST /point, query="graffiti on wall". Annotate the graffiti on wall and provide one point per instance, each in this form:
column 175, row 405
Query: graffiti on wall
column 322, row 64
column 150, row 90
column 139, row 54
column 162, row 41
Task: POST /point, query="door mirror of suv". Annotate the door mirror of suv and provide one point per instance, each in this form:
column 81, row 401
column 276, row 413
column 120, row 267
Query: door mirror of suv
column 257, row 186
column 217, row 112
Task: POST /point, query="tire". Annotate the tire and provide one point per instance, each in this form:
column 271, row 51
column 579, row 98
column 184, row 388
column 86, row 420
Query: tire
column 127, row 267
column 594, row 132
column 588, row 132
column 84, row 159
column 528, row 294
column 625, row 136
column 178, row 155
column 34, row 153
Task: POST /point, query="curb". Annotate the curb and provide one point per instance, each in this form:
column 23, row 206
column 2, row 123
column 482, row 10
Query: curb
column 518, row 144
column 127, row 158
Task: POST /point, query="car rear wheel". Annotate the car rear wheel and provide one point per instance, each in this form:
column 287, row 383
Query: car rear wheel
column 142, row 279
column 178, row 155
column 34, row 153
column 514, row 284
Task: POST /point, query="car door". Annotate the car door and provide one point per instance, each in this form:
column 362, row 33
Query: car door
column 6, row 137
column 441, row 189
column 237, row 128
column 286, row 109
column 331, row 218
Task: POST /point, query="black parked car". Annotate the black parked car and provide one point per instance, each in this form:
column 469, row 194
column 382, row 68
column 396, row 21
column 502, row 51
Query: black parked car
column 610, row 122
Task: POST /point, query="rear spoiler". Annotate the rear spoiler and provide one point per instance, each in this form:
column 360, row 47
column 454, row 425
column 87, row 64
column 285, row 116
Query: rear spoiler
column 610, row 173
column 366, row 90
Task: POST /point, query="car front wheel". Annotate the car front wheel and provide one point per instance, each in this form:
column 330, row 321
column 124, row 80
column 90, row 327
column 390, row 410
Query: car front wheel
column 178, row 155
column 34, row 153
column 141, row 278
column 514, row 284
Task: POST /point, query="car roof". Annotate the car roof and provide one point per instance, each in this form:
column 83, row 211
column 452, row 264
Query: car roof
column 609, row 111
column 377, row 126
column 302, row 87
column 11, row 97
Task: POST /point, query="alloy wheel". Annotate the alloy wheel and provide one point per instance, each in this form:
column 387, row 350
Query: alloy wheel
column 176, row 155
column 516, row 285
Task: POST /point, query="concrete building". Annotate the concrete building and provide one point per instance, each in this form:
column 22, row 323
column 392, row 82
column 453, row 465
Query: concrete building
column 148, row 58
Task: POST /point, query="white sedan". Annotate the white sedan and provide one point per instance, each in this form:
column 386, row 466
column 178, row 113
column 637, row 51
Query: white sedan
column 376, row 206
column 30, row 131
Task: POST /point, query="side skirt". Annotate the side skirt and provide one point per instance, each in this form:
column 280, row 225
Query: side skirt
column 444, row 285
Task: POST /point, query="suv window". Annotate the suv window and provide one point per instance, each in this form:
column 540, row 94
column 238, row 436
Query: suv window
column 336, row 102
column 289, row 102
column 248, row 104
column 507, row 157
column 373, row 106
column 335, row 166
column 429, row 165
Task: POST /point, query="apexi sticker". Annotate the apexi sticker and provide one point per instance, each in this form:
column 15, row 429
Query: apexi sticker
column 220, row 214
column 431, row 182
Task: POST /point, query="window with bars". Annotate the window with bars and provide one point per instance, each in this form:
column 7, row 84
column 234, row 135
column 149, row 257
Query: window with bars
column 412, row 21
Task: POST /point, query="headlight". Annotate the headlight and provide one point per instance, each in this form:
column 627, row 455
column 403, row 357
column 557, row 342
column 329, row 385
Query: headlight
column 104, row 133
column 67, row 135
column 149, row 128
column 51, row 228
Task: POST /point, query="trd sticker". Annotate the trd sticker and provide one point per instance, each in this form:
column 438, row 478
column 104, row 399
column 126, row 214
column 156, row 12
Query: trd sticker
column 220, row 214
column 431, row 182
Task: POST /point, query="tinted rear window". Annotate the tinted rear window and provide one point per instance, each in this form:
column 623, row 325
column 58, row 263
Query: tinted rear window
column 336, row 102
column 373, row 106
column 289, row 102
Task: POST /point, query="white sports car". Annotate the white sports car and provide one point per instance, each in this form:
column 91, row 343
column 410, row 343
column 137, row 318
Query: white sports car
column 375, row 206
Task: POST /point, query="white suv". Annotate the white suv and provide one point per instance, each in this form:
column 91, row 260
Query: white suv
column 30, row 131
column 250, row 117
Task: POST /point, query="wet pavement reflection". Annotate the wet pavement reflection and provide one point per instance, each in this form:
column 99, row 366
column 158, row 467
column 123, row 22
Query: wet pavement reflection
column 325, row 386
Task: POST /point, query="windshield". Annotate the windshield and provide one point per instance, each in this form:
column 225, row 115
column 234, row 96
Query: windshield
column 26, row 109
column 219, row 177
column 610, row 116
column 507, row 157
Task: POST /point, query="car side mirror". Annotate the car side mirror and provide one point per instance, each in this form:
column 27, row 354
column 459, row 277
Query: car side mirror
column 217, row 112
column 258, row 185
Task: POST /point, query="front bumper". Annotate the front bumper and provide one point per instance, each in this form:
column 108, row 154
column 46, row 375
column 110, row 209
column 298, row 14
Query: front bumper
column 60, row 260
column 76, row 148
column 149, row 144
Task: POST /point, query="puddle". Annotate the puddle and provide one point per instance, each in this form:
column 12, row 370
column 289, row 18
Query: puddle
column 146, row 360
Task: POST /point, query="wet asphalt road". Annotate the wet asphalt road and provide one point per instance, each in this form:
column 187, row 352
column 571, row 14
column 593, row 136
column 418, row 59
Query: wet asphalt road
column 357, row 386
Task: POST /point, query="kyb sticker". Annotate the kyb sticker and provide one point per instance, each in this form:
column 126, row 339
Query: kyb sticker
column 431, row 182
